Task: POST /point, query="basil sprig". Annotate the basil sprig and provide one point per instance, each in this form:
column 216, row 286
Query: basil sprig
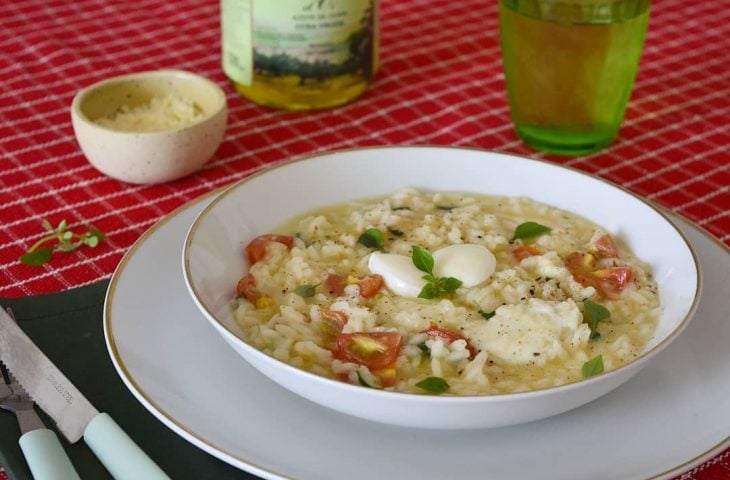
column 59, row 239
column 435, row 286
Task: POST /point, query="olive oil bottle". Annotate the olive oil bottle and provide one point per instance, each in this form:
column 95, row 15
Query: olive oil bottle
column 300, row 54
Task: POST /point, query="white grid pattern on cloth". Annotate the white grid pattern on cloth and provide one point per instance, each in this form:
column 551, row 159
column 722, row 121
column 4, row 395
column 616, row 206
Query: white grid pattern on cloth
column 417, row 48
column 440, row 83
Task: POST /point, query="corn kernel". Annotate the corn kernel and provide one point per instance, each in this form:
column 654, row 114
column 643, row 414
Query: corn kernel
column 264, row 301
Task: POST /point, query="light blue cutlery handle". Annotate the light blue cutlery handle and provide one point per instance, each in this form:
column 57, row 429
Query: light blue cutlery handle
column 46, row 457
column 119, row 454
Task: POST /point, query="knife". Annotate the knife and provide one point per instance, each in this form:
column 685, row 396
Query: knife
column 74, row 415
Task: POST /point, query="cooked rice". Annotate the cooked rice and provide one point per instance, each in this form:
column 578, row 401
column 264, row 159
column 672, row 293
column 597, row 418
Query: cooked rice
column 539, row 295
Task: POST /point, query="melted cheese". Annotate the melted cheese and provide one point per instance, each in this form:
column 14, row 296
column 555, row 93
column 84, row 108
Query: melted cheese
column 400, row 275
column 472, row 264
column 531, row 332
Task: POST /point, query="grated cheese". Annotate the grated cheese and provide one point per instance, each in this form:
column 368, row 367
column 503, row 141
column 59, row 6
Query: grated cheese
column 160, row 113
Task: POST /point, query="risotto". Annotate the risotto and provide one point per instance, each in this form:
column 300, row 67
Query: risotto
column 446, row 293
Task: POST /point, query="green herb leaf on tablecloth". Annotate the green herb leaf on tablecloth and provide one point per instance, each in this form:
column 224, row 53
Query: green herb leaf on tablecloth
column 59, row 239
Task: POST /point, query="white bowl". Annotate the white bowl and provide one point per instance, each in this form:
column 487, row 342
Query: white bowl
column 149, row 157
column 213, row 262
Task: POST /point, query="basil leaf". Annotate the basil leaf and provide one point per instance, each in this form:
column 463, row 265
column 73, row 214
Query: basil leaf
column 487, row 315
column 92, row 239
column 422, row 259
column 424, row 348
column 429, row 291
column 37, row 257
column 592, row 367
column 305, row 291
column 433, row 384
column 529, row 230
column 372, row 238
column 592, row 314
column 429, row 278
column 449, row 284
column 97, row 234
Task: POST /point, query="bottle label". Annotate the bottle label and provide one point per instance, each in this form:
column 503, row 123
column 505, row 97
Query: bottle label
column 237, row 39
column 311, row 40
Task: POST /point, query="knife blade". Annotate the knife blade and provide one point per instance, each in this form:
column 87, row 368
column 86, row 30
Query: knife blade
column 74, row 415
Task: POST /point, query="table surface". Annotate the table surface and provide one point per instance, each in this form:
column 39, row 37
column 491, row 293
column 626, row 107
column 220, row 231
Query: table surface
column 440, row 83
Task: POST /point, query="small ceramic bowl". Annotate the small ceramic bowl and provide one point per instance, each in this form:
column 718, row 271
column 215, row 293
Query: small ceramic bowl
column 147, row 157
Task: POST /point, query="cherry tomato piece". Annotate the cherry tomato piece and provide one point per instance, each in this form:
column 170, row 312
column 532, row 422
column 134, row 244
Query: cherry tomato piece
column 606, row 281
column 615, row 278
column 370, row 285
column 256, row 249
column 437, row 332
column 332, row 322
column 335, row 284
column 521, row 252
column 580, row 266
column 246, row 287
column 604, row 247
column 375, row 350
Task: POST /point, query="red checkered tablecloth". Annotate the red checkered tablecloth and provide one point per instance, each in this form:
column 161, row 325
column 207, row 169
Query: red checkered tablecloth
column 440, row 83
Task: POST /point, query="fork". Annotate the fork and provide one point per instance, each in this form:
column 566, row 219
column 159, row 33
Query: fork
column 41, row 447
column 17, row 401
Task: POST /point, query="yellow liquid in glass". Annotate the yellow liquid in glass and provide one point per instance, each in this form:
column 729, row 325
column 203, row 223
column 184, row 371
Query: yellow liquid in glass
column 570, row 67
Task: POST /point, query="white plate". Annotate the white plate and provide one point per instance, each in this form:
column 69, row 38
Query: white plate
column 673, row 415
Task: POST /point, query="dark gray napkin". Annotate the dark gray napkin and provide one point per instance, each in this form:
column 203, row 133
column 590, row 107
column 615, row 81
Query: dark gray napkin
column 67, row 326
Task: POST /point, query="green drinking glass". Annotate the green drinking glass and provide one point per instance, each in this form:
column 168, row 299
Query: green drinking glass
column 569, row 67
